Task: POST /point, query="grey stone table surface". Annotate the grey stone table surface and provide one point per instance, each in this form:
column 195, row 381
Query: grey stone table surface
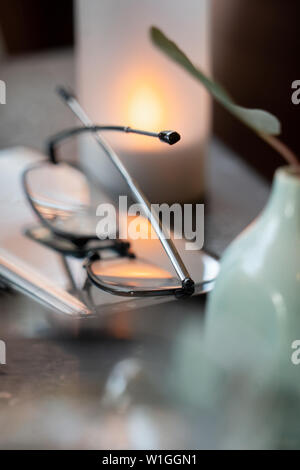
column 101, row 389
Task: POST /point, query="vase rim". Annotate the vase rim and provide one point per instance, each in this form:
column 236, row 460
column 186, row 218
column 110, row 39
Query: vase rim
column 290, row 172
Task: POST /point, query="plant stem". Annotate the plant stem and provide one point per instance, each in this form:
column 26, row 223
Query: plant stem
column 281, row 148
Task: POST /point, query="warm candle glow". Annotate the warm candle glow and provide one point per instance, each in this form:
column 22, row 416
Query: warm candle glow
column 146, row 108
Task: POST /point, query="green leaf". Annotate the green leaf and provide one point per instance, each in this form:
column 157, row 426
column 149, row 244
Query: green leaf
column 258, row 120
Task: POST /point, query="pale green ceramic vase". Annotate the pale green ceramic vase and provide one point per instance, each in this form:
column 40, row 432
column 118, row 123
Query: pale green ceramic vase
column 257, row 293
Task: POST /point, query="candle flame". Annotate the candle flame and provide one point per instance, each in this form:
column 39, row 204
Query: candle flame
column 145, row 109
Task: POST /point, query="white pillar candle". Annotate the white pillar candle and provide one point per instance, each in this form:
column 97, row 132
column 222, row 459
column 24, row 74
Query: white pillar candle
column 123, row 79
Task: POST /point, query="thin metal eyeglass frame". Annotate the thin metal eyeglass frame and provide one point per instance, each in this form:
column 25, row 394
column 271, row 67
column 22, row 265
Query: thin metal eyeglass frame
column 168, row 245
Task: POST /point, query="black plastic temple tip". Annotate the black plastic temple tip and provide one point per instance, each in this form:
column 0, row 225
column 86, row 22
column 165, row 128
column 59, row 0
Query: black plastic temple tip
column 170, row 137
column 65, row 93
column 188, row 289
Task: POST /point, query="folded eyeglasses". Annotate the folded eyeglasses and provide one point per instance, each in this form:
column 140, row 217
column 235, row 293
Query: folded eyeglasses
column 59, row 195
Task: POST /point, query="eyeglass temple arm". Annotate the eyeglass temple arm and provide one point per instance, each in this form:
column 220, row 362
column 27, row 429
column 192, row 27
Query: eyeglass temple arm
column 169, row 137
column 167, row 243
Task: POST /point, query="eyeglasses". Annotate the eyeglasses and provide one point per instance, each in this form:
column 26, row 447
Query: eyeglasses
column 60, row 196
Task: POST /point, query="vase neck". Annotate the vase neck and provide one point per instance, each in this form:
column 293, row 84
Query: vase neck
column 285, row 195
